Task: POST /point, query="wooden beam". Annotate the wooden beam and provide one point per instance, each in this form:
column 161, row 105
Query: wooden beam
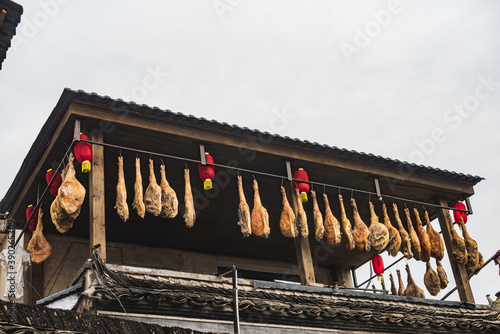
column 109, row 119
column 459, row 271
column 303, row 250
column 96, row 196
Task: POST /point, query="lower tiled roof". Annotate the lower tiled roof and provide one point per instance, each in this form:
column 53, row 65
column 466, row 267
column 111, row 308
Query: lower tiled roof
column 274, row 304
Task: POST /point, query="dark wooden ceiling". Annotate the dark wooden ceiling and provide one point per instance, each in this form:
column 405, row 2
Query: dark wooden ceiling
column 216, row 230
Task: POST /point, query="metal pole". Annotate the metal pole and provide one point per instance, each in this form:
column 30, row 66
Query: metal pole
column 368, row 280
column 236, row 310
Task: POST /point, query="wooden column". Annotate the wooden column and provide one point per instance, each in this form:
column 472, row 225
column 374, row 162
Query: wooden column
column 96, row 196
column 344, row 275
column 459, row 271
column 303, row 250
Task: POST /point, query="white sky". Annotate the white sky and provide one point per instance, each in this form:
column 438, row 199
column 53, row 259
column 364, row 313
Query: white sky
column 243, row 62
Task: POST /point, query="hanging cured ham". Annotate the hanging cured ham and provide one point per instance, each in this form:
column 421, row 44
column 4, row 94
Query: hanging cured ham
column 39, row 248
column 394, row 238
column 346, row 226
column 287, row 219
column 415, row 242
column 471, row 246
column 360, row 230
column 121, row 205
column 423, row 238
column 431, row 280
column 189, row 213
column 244, row 220
column 61, row 219
column 317, row 218
column 443, row 278
column 378, row 233
column 405, row 237
column 138, row 203
column 401, row 289
column 437, row 244
column 412, row 290
column 259, row 217
column 472, row 269
column 394, row 290
column 169, row 202
column 458, row 249
column 152, row 197
column 332, row 225
column 71, row 193
column 301, row 216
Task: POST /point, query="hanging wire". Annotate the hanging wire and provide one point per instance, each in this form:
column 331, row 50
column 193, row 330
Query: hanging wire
column 281, row 181
column 265, row 174
column 162, row 161
column 185, row 164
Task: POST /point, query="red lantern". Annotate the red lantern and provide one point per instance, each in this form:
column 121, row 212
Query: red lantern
column 378, row 264
column 54, row 187
column 83, row 153
column 459, row 214
column 34, row 220
column 303, row 187
column 207, row 173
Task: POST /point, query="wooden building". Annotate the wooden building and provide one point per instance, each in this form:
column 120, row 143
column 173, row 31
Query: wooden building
column 10, row 16
column 155, row 270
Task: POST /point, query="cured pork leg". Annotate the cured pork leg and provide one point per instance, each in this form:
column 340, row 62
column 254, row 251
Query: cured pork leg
column 415, row 242
column 169, row 202
column 431, row 280
column 437, row 244
column 317, row 218
column 423, row 238
column 259, row 217
column 394, row 238
column 152, row 197
column 244, row 220
column 121, row 205
column 288, row 225
column 458, row 248
column 443, row 278
column 332, row 225
column 301, row 216
column 346, row 226
column 360, row 231
column 394, row 291
column 401, row 289
column 39, row 247
column 405, row 237
column 71, row 193
column 138, row 203
column 412, row 290
column 378, row 233
column 62, row 221
column 189, row 213
column 471, row 246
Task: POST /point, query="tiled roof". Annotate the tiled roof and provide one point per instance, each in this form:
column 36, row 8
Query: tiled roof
column 8, row 27
column 285, row 304
column 68, row 96
column 39, row 319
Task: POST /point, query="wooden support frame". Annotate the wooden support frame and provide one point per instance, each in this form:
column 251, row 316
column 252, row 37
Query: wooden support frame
column 459, row 271
column 303, row 250
column 344, row 275
column 96, row 196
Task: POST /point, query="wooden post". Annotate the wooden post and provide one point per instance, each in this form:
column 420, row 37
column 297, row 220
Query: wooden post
column 459, row 271
column 303, row 250
column 96, row 196
column 344, row 275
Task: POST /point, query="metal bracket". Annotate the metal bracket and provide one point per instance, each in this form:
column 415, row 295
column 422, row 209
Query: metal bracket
column 76, row 131
column 469, row 206
column 289, row 171
column 202, row 155
column 377, row 188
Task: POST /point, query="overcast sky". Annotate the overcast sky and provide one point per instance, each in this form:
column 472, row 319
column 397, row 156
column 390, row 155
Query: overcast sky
column 414, row 81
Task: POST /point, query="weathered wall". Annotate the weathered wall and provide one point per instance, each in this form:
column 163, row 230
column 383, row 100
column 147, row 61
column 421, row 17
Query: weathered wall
column 70, row 253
